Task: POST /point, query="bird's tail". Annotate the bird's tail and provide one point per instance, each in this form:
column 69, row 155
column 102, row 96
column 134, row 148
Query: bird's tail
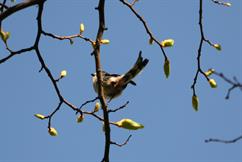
column 135, row 70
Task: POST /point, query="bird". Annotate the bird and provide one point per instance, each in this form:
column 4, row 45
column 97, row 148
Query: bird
column 114, row 84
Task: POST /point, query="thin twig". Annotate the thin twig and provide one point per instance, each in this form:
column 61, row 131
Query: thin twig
column 234, row 84
column 68, row 37
column 125, row 142
column 130, row 6
column 13, row 53
column 224, row 141
column 121, row 107
column 89, row 101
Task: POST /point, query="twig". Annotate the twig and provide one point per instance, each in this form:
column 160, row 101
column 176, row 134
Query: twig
column 89, row 101
column 3, row 5
column 199, row 70
column 133, row 3
column 234, row 84
column 121, row 107
column 51, row 115
column 125, row 142
column 130, row 6
column 13, row 53
column 68, row 37
column 224, row 141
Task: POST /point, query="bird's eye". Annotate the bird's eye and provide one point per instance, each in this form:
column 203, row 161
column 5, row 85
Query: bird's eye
column 113, row 83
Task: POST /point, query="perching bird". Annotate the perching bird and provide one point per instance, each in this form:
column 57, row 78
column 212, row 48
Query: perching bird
column 114, row 84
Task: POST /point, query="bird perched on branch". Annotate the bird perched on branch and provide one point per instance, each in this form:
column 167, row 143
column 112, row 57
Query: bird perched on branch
column 114, row 84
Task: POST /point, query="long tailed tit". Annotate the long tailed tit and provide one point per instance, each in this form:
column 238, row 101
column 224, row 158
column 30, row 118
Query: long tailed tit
column 114, row 84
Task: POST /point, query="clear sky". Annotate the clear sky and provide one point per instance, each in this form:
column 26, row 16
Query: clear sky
column 173, row 131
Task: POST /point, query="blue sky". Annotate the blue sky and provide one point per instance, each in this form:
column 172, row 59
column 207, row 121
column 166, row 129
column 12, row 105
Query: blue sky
column 173, row 131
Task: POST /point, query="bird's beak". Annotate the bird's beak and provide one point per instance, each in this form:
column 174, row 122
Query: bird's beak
column 92, row 75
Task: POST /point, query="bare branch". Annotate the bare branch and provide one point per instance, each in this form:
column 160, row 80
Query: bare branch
column 199, row 54
column 13, row 53
column 89, row 101
column 51, row 115
column 125, row 142
column 3, row 6
column 102, row 99
column 18, row 7
column 234, row 84
column 121, row 107
column 130, row 6
column 224, row 141
column 68, row 37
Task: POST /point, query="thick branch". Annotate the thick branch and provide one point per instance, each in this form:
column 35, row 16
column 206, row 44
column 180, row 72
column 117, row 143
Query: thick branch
column 18, row 7
column 102, row 99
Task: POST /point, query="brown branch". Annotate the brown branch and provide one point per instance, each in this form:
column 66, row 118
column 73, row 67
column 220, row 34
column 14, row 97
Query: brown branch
column 130, row 6
column 125, row 142
column 68, row 37
column 133, row 3
column 102, row 99
column 224, row 141
column 18, row 7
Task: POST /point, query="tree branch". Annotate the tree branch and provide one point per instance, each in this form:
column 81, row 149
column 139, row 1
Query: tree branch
column 234, row 84
column 68, row 37
column 102, row 99
column 130, row 6
column 121, row 107
column 18, row 7
column 13, row 53
column 121, row 145
column 224, row 141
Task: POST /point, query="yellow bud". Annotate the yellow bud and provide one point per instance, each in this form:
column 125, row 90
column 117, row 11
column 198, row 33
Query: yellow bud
column 129, row 124
column 104, row 41
column 167, row 68
column 4, row 35
column 212, row 83
column 167, row 43
column 82, row 28
column 63, row 73
column 40, row 116
column 151, row 41
column 209, row 72
column 218, row 47
column 227, row 4
column 97, row 107
column 195, row 102
column 80, row 119
column 52, row 131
